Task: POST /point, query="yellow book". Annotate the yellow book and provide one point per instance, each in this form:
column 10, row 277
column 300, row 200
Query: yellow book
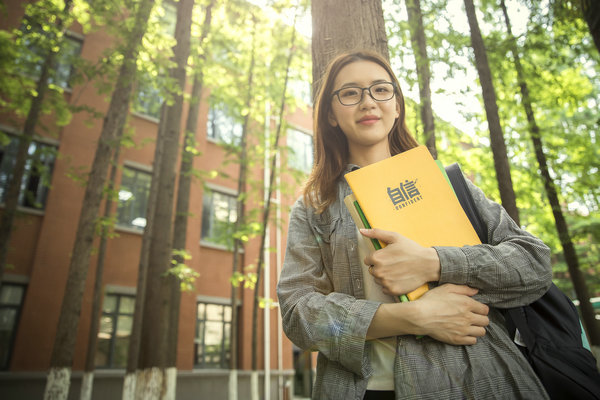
column 409, row 194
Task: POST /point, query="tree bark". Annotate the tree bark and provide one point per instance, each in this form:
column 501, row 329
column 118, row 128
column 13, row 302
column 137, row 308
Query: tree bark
column 419, row 46
column 507, row 194
column 238, row 245
column 591, row 13
column 345, row 25
column 133, row 353
column 64, row 344
column 155, row 325
column 184, row 186
column 13, row 191
column 571, row 258
column 87, row 383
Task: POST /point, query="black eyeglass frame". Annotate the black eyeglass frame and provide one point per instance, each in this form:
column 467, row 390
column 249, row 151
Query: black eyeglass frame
column 362, row 93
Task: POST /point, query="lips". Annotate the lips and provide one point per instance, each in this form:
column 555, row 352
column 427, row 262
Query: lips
column 368, row 119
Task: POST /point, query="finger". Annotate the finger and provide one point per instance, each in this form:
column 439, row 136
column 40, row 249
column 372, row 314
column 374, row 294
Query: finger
column 468, row 341
column 480, row 321
column 385, row 236
column 464, row 340
column 477, row 331
column 384, row 289
column 479, row 308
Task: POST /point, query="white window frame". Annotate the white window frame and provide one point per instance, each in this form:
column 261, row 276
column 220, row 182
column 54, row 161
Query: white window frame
column 132, row 165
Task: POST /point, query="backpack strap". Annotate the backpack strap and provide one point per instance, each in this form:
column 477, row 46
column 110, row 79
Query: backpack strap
column 515, row 318
column 458, row 182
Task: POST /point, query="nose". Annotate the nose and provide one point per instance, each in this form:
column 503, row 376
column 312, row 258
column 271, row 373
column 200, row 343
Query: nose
column 366, row 100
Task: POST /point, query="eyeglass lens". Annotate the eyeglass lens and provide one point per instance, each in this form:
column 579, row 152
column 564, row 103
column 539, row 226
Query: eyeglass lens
column 353, row 95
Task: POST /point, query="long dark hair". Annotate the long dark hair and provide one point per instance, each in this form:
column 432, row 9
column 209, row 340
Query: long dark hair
column 331, row 146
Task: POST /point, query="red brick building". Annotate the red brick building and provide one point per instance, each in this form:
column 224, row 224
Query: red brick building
column 43, row 239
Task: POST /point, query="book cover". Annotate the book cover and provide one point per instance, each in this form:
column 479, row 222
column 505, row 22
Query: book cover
column 409, row 194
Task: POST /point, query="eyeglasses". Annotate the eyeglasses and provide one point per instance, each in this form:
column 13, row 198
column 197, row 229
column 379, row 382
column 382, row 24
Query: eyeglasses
column 353, row 95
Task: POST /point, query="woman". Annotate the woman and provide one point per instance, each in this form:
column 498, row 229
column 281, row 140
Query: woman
column 339, row 300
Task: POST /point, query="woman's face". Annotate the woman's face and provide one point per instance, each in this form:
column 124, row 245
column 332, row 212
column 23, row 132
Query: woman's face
column 366, row 125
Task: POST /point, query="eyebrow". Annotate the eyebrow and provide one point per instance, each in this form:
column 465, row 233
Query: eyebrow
column 355, row 84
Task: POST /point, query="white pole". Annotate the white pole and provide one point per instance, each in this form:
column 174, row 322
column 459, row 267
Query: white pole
column 267, row 263
column 279, row 253
column 267, row 321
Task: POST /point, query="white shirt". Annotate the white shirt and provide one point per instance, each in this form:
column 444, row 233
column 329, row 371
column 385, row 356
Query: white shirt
column 383, row 350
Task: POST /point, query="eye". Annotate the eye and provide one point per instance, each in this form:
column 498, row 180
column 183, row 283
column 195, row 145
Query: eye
column 382, row 88
column 349, row 92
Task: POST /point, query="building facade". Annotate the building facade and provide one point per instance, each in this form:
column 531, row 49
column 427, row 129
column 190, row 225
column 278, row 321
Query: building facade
column 44, row 233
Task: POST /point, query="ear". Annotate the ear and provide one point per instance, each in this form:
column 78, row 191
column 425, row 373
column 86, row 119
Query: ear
column 397, row 110
column 331, row 119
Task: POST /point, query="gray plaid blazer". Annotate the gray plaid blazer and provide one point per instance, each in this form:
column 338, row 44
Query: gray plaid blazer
column 323, row 305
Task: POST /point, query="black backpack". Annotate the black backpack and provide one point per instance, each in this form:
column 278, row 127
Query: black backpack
column 549, row 327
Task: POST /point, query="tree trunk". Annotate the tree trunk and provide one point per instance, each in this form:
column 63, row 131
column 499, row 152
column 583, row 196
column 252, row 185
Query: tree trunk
column 587, row 310
column 238, row 245
column 267, row 209
column 13, row 191
column 344, row 25
column 419, row 46
column 155, row 325
column 507, row 194
column 87, row 383
column 133, row 353
column 591, row 13
column 64, row 344
column 183, row 189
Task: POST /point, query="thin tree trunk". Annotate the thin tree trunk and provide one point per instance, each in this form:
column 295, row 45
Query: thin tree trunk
column 64, row 344
column 11, row 199
column 155, row 326
column 591, row 13
column 507, row 194
column 238, row 245
column 345, row 25
column 587, row 310
column 133, row 353
column 419, row 46
column 183, row 189
column 87, row 383
column 267, row 207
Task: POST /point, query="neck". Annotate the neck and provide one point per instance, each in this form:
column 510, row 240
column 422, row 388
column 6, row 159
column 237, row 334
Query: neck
column 366, row 156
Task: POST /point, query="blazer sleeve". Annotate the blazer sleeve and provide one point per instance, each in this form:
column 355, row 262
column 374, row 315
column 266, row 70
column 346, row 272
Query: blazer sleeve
column 512, row 270
column 314, row 315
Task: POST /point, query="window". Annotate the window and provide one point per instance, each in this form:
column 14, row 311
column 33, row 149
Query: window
column 219, row 213
column 11, row 300
column 114, row 331
column 212, row 344
column 133, row 198
column 36, row 41
column 64, row 69
column 300, row 146
column 149, row 98
column 222, row 127
column 36, row 177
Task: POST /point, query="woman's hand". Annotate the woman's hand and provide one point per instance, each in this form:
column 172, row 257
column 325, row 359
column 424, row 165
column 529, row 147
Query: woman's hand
column 403, row 265
column 447, row 313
